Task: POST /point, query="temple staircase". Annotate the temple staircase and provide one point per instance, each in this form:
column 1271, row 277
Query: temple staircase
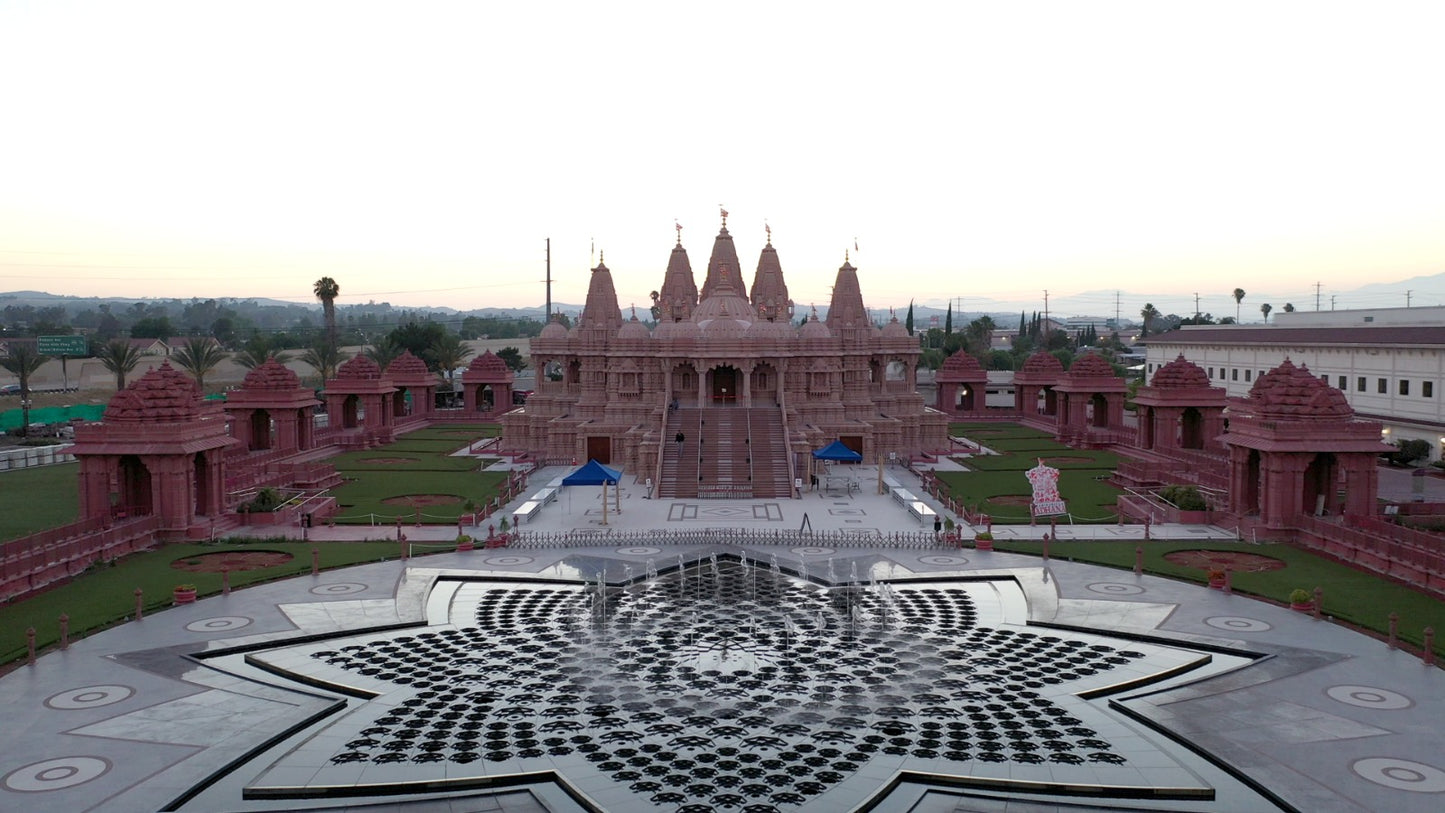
column 726, row 453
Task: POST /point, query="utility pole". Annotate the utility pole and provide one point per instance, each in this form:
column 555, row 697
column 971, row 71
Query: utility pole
column 1317, row 297
column 1407, row 298
column 1196, row 307
column 1116, row 308
column 1332, row 301
column 1046, row 313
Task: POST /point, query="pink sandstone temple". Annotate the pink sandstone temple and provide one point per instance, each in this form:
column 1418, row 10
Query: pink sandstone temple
column 726, row 397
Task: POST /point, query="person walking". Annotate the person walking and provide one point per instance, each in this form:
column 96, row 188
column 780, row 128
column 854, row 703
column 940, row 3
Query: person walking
column 680, row 438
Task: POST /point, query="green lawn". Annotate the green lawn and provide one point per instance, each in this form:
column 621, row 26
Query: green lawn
column 1362, row 599
column 37, row 498
column 106, row 595
column 1082, row 474
column 378, row 482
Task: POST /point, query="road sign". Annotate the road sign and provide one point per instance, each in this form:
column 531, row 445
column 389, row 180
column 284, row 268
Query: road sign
column 62, row 345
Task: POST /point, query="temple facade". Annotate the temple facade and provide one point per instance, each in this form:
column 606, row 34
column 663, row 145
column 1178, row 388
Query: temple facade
column 726, row 396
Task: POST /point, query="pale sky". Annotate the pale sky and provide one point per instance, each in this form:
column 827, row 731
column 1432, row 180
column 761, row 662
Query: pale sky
column 420, row 153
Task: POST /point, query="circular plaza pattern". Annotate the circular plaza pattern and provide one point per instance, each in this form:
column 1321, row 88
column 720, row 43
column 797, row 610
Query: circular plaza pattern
column 55, row 774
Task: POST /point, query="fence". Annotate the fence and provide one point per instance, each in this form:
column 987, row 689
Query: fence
column 29, row 456
column 31, row 562
column 914, row 540
column 1373, row 544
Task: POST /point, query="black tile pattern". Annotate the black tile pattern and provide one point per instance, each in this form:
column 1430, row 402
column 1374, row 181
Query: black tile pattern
column 727, row 687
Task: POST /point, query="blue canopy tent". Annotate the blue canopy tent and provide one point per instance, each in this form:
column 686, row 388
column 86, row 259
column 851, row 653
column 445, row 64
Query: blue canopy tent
column 594, row 474
column 836, row 451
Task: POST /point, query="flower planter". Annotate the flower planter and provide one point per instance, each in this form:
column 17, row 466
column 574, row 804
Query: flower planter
column 183, row 595
column 466, row 543
column 982, row 544
column 1302, row 606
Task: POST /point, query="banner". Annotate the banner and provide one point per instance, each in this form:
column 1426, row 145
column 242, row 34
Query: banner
column 1045, row 482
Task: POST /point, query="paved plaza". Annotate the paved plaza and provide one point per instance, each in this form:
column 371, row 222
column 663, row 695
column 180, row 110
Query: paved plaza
column 608, row 665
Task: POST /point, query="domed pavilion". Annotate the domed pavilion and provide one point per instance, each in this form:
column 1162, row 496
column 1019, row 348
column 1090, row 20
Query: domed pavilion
column 1295, row 448
column 158, row 451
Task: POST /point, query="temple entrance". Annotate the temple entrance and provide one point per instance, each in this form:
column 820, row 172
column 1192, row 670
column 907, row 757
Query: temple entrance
column 1100, row 406
column 203, row 485
column 260, row 430
column 854, row 442
column 1191, row 429
column 1250, row 497
column 351, row 412
column 599, row 448
column 135, row 488
column 1319, row 479
column 724, row 385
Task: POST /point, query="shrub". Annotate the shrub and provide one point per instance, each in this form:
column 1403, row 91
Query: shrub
column 265, row 501
column 1408, row 451
column 1185, row 498
column 1300, row 596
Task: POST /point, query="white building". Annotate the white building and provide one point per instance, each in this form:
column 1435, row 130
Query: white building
column 1389, row 362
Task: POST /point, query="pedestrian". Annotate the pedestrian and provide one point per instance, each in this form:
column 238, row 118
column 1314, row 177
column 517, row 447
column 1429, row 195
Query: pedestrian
column 680, row 438
column 937, row 525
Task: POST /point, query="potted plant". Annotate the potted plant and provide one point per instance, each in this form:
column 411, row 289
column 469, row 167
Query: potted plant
column 983, row 540
column 184, row 594
column 950, row 531
column 1216, row 578
column 1301, row 600
column 464, row 542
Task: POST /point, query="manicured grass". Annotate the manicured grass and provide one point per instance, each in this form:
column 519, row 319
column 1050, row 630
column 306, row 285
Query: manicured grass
column 1082, row 473
column 429, row 470
column 1359, row 598
column 104, row 596
column 37, row 498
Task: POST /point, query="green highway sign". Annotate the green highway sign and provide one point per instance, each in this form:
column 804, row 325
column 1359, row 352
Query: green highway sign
column 62, row 345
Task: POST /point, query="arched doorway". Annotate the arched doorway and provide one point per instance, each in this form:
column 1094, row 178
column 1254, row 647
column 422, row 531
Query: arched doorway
column 1099, row 406
column 351, row 412
column 260, row 430
column 134, row 498
column 1191, row 429
column 203, row 484
column 725, row 387
column 1250, row 497
column 1319, row 483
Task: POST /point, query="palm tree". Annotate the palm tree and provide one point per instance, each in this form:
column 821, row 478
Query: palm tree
column 1238, row 298
column 327, row 290
column 1265, row 309
column 1149, row 314
column 120, row 357
column 255, row 352
column 450, row 351
column 384, row 352
column 324, row 358
column 198, row 356
column 23, row 360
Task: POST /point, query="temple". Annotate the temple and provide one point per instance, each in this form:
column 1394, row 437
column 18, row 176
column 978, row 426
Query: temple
column 726, row 397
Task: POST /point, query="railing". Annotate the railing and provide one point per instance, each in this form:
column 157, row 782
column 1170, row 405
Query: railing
column 916, row 540
column 32, row 562
column 1373, row 544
